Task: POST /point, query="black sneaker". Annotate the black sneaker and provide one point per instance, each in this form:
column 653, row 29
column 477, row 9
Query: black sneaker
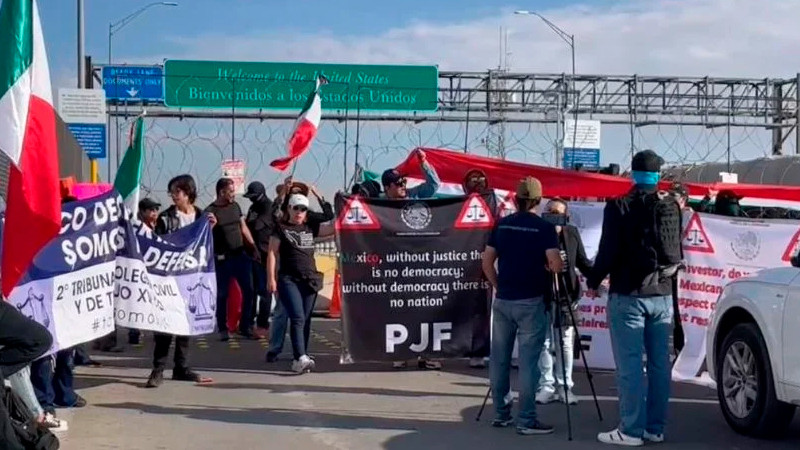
column 537, row 428
column 80, row 402
column 224, row 336
column 156, row 378
column 188, row 375
column 502, row 423
column 272, row 357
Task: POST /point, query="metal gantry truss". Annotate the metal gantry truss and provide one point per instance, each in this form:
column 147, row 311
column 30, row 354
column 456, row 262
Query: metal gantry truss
column 633, row 100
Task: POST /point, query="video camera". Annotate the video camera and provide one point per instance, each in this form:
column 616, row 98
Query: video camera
column 558, row 220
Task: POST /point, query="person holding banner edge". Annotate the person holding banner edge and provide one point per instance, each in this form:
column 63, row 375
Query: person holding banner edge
column 640, row 248
column 297, row 280
column 525, row 247
column 183, row 212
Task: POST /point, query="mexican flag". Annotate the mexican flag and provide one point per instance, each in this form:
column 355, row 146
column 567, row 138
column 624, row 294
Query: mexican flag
column 305, row 129
column 28, row 139
column 129, row 174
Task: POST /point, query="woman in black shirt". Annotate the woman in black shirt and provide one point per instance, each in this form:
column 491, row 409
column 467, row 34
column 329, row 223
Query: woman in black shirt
column 297, row 280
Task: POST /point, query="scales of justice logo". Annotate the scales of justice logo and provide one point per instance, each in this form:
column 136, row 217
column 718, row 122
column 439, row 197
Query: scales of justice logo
column 416, row 216
column 33, row 308
column 201, row 303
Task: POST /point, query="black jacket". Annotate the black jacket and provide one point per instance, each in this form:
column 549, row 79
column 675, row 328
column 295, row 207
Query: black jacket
column 641, row 236
column 168, row 222
column 260, row 221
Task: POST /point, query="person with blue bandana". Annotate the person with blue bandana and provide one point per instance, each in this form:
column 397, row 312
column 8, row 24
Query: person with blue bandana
column 640, row 248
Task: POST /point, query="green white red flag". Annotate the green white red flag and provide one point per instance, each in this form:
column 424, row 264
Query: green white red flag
column 28, row 138
column 305, row 129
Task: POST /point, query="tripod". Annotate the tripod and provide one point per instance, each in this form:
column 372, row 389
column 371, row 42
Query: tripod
column 558, row 325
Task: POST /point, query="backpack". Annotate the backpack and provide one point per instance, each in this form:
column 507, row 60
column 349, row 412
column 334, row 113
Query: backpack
column 649, row 245
column 28, row 432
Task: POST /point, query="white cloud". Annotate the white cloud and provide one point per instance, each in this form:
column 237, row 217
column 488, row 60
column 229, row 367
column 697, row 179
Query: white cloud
column 662, row 37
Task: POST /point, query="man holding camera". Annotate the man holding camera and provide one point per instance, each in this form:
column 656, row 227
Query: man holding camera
column 640, row 248
column 553, row 385
column 525, row 247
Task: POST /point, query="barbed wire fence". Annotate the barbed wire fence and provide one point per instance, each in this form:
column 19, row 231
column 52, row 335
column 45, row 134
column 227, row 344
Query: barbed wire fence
column 198, row 146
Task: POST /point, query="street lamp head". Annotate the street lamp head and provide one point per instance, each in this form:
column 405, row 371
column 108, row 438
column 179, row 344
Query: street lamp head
column 169, row 3
column 522, row 12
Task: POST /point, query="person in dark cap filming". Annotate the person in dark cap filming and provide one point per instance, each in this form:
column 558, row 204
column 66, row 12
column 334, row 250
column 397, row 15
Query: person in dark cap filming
column 260, row 220
column 640, row 248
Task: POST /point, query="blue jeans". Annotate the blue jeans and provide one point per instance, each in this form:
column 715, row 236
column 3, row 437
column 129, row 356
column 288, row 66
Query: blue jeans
column 298, row 298
column 527, row 321
column 636, row 323
column 22, row 386
column 277, row 331
column 238, row 266
column 53, row 385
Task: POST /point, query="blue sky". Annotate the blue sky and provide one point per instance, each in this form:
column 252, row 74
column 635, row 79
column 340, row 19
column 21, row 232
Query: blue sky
column 653, row 37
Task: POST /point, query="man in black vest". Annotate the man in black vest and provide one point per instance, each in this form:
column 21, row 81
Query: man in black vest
column 641, row 250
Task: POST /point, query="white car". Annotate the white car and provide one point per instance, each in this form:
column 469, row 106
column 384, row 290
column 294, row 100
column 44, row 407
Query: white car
column 753, row 351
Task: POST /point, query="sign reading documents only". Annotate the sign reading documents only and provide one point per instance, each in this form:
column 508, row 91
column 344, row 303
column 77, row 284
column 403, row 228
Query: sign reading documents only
column 84, row 112
column 134, row 83
column 273, row 85
column 582, row 144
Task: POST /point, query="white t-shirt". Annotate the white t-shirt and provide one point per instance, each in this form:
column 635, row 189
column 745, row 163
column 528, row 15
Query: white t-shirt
column 186, row 219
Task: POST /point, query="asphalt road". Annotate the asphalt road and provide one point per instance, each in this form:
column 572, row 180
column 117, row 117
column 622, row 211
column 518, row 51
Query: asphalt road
column 361, row 406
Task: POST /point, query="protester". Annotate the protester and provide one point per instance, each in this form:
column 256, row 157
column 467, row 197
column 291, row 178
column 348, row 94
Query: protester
column 476, row 182
column 640, row 247
column 524, row 246
column 726, row 203
column 22, row 341
column 52, row 377
column 260, row 221
column 681, row 195
column 394, row 187
column 181, row 213
column 552, row 385
column 297, row 280
column 230, row 237
column 148, row 212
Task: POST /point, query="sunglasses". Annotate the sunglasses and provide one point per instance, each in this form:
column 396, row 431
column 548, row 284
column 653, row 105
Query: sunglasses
column 299, row 208
column 401, row 182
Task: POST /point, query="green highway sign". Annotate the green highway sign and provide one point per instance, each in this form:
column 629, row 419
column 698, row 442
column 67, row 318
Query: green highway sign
column 275, row 85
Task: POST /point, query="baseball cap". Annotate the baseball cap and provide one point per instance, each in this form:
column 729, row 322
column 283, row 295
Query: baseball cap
column 148, row 203
column 298, row 200
column 255, row 190
column 391, row 176
column 529, row 188
column 647, row 161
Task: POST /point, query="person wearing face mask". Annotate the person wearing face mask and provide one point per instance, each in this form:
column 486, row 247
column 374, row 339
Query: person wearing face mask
column 261, row 221
column 552, row 385
column 297, row 280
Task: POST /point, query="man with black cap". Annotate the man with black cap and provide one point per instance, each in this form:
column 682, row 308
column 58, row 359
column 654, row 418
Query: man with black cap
column 261, row 221
column 640, row 248
column 525, row 247
column 148, row 212
column 394, row 183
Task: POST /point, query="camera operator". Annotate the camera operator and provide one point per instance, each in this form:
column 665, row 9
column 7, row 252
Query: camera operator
column 525, row 247
column 573, row 255
column 640, row 248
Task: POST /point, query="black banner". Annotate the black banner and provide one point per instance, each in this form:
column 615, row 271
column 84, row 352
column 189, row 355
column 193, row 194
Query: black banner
column 412, row 283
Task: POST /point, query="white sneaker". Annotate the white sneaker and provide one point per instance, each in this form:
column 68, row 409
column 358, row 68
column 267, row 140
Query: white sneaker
column 545, row 396
column 564, row 394
column 655, row 438
column 302, row 365
column 617, row 437
column 51, row 423
column 477, row 363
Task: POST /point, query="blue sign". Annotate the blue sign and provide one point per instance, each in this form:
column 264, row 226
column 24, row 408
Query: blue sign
column 134, row 83
column 91, row 137
column 588, row 158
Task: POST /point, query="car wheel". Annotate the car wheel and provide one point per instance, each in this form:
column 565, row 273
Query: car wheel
column 745, row 385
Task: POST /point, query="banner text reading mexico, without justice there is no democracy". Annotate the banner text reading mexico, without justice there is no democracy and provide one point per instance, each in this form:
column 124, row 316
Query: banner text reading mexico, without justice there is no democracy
column 102, row 270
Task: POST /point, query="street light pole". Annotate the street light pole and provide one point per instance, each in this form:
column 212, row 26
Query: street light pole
column 114, row 27
column 570, row 40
